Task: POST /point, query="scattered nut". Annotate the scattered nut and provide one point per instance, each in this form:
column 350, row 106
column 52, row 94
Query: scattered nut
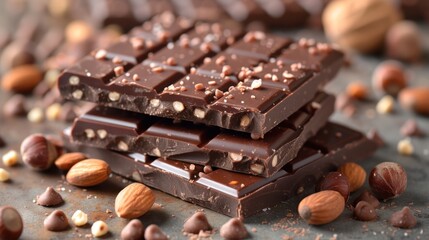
column 37, row 152
column 335, row 181
column 403, row 219
column 22, row 79
column 355, row 175
column 67, row 160
column 388, row 180
column 178, row 106
column 405, row 147
column 10, row 158
column 77, row 32
column 385, row 105
column 321, row 207
column 234, row 229
column 35, row 115
column 196, row 223
column 357, row 90
column 99, row 229
column 15, row 106
column 89, row 172
column 53, row 112
column 367, row 196
column 389, row 78
column 79, row 218
column 415, row 99
column 133, row 201
column 153, row 232
column 56, row 221
column 256, row 84
column 133, row 230
column 4, row 175
column 364, row 211
column 11, row 224
column 403, row 42
column 49, row 198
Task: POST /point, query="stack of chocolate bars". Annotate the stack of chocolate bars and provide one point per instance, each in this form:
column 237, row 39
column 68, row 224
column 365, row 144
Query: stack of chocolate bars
column 232, row 121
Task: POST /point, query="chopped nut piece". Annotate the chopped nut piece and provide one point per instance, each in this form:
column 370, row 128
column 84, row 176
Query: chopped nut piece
column 257, row 168
column 288, row 75
column 155, row 103
column 4, row 175
column 100, row 54
column 157, row 69
column 89, row 133
column 35, row 115
column 178, row 106
column 10, row 158
column 156, row 152
column 99, row 228
column 136, row 77
column 137, row 43
column 119, row 70
column 220, row 60
column 117, row 60
column 275, row 161
column 236, row 157
column 212, row 83
column 226, row 70
column 114, row 96
column 171, row 61
column 385, row 105
column 123, row 146
column 102, row 134
column 256, row 84
column 74, row 80
column 245, row 121
column 199, row 87
column 199, row 113
column 357, row 90
column 53, row 112
column 405, row 147
column 218, row 93
column 79, row 218
column 77, row 94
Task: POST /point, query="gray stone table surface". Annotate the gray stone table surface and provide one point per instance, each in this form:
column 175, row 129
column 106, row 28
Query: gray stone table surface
column 281, row 222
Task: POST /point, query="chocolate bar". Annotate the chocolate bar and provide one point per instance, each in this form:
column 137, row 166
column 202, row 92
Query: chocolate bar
column 195, row 143
column 236, row 194
column 205, row 73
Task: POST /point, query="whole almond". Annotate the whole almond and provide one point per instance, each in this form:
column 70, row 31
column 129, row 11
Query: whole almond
column 415, row 99
column 22, row 79
column 321, row 207
column 355, row 174
column 88, row 173
column 67, row 160
column 134, row 201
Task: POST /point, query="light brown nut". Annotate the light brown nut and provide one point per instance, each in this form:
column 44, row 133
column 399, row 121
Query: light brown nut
column 321, row 207
column 88, row 173
column 67, row 160
column 415, row 99
column 22, row 79
column 355, row 174
column 134, row 201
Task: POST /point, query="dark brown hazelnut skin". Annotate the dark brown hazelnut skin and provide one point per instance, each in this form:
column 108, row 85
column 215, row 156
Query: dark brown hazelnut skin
column 364, row 211
column 389, row 78
column 11, row 224
column 37, row 152
column 403, row 42
column 335, row 181
column 388, row 180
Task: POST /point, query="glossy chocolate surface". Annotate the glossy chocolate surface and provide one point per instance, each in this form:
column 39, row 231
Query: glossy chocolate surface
column 206, row 73
column 236, row 194
column 199, row 144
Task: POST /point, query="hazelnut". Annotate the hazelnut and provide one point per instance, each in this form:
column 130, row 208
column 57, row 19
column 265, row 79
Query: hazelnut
column 79, row 218
column 364, row 211
column 37, row 152
column 355, row 175
column 389, row 77
column 4, row 175
column 415, row 99
column 357, row 90
column 99, row 228
column 178, row 106
column 35, row 115
column 11, row 224
column 403, row 219
column 403, row 42
column 405, row 147
column 385, row 105
column 388, row 180
column 10, row 158
column 335, row 181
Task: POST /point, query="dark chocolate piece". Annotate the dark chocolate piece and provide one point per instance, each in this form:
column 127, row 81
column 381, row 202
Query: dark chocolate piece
column 166, row 68
column 235, row 194
column 198, row 144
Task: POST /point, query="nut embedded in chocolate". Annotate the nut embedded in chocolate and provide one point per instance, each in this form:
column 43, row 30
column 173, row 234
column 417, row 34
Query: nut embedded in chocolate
column 11, row 224
column 403, row 219
column 335, row 181
column 234, row 229
column 56, row 221
column 367, row 197
column 49, row 198
column 134, row 230
column 37, row 152
column 388, row 180
column 364, row 211
column 196, row 223
column 153, row 232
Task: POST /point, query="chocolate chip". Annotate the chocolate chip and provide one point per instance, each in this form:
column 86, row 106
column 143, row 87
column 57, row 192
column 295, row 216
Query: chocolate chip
column 15, row 106
column 375, row 137
column 234, row 229
column 153, row 232
column 10, row 223
column 403, row 218
column 134, row 230
column 411, row 129
column 196, row 223
column 364, row 211
column 367, row 197
column 56, row 221
column 49, row 198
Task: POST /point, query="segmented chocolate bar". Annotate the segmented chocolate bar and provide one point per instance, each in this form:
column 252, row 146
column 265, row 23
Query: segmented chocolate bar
column 195, row 143
column 205, row 73
column 235, row 194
